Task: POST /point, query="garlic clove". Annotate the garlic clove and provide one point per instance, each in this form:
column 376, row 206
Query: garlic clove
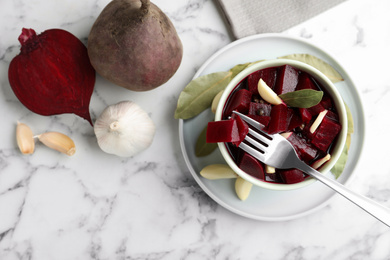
column 25, row 138
column 243, row 188
column 59, row 142
column 124, row 129
column 217, row 171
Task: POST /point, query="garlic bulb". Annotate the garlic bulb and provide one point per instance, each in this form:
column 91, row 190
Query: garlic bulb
column 124, row 129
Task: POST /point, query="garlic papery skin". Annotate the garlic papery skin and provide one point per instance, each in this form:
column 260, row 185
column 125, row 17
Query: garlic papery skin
column 124, row 129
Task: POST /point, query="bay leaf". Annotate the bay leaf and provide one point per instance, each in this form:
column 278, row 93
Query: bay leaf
column 199, row 93
column 303, row 98
column 202, row 148
column 317, row 63
column 339, row 166
column 240, row 67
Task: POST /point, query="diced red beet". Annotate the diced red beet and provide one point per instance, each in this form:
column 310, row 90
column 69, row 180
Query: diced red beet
column 260, row 109
column 305, row 150
column 326, row 102
column 222, row 131
column 325, row 134
column 315, row 110
column 295, row 120
column 333, row 115
column 240, row 101
column 264, row 120
column 252, row 166
column 305, row 115
column 305, row 82
column 291, row 176
column 268, row 75
column 243, row 130
column 287, row 80
column 278, row 122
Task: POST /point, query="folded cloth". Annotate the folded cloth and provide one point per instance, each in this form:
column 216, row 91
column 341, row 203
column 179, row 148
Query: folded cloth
column 248, row 17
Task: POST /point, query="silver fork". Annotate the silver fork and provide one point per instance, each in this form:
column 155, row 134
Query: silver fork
column 277, row 151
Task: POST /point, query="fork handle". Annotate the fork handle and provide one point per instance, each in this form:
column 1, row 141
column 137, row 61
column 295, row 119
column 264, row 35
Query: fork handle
column 375, row 209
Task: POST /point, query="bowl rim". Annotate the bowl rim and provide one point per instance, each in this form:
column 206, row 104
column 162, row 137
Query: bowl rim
column 330, row 88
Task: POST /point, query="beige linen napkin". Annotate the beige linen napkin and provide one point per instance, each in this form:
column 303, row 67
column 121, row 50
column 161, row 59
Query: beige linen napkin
column 248, row 17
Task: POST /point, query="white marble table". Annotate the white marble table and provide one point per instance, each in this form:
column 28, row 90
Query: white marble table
column 98, row 206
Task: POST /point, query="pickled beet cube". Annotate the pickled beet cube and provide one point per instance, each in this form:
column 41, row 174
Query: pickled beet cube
column 295, row 120
column 279, row 121
column 305, row 150
column 325, row 133
column 305, row 115
column 243, row 130
column 264, row 120
column 291, row 176
column 252, row 166
column 268, row 75
column 287, row 80
column 260, row 109
column 240, row 101
column 305, row 82
column 315, row 110
column 222, row 131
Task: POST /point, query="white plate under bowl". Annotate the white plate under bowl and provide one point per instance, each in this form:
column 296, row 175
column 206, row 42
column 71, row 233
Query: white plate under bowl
column 263, row 204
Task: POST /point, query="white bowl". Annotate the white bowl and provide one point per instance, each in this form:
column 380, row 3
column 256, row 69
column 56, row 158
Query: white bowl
column 329, row 88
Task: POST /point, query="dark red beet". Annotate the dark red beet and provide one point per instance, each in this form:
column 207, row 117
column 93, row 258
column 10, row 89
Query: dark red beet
column 243, row 130
column 295, row 120
column 222, row 131
column 305, row 82
column 52, row 74
column 240, row 101
column 291, row 176
column 315, row 110
column 264, row 120
column 278, row 122
column 251, row 166
column 287, row 80
column 305, row 115
column 260, row 109
column 325, row 134
column 305, row 150
column 268, row 75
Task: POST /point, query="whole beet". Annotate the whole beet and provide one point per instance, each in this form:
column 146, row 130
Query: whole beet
column 134, row 45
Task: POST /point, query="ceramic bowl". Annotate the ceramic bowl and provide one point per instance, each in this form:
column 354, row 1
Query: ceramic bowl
column 328, row 87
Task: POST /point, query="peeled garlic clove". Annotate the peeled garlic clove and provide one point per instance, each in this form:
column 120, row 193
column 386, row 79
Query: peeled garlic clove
column 217, row 171
column 25, row 139
column 59, row 142
column 243, row 188
column 124, row 129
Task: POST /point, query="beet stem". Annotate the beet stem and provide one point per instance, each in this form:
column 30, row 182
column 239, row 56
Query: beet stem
column 145, row 6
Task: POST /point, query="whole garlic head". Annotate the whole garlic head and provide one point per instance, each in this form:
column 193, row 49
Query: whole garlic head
column 124, row 129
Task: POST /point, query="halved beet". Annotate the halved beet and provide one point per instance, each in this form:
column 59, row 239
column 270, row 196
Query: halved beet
column 279, row 121
column 325, row 133
column 239, row 101
column 252, row 166
column 268, row 75
column 291, row 176
column 52, row 74
column 222, row 131
column 287, row 80
column 260, row 109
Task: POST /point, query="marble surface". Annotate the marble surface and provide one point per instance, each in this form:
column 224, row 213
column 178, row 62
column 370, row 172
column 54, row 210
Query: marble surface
column 98, row 206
